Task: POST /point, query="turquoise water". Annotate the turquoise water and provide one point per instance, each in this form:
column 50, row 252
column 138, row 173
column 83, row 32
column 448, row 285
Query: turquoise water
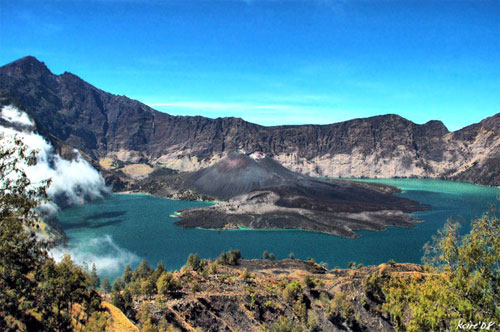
column 125, row 229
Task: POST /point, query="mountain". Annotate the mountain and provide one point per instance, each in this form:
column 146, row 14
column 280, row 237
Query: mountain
column 125, row 136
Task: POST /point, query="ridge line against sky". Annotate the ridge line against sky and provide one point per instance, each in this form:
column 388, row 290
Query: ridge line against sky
column 273, row 62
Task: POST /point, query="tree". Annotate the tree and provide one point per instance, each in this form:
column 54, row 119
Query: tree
column 462, row 282
column 167, row 284
column 143, row 271
column 117, row 299
column 144, row 316
column 95, row 281
column 37, row 293
column 148, row 286
column 123, row 300
column 309, row 282
column 105, row 285
column 158, row 272
column 127, row 274
column 21, row 255
column 245, row 275
column 233, row 257
column 292, row 291
column 98, row 322
column 118, row 284
column 340, row 308
column 194, row 262
column 149, row 326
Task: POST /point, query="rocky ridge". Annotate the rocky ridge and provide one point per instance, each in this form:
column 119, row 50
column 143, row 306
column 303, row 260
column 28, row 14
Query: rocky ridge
column 130, row 139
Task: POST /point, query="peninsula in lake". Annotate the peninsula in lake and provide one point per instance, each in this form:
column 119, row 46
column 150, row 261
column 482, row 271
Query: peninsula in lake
column 263, row 177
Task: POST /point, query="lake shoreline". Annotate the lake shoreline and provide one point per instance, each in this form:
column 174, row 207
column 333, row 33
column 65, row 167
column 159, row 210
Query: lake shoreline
column 147, row 231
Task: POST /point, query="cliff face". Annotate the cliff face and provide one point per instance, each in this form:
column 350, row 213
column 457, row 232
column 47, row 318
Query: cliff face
column 124, row 134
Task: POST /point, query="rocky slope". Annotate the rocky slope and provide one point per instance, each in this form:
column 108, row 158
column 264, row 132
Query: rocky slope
column 124, row 135
column 256, row 295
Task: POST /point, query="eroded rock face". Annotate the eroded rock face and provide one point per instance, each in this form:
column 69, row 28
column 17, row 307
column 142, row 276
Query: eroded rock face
column 110, row 127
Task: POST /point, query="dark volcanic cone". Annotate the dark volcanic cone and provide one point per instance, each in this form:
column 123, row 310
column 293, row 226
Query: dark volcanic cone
column 240, row 174
column 258, row 192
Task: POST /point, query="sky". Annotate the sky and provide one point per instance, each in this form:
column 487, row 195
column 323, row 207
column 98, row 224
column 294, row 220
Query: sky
column 273, row 62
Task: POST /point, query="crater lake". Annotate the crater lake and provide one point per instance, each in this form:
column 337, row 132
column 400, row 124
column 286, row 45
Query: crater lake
column 126, row 228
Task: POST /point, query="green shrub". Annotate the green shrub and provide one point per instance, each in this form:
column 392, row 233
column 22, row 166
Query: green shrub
column 292, row 292
column 283, row 324
column 461, row 282
column 194, row 262
column 342, row 309
column 167, row 284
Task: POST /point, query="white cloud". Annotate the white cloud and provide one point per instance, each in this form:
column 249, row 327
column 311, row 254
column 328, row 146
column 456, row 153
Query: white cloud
column 263, row 114
column 73, row 182
column 109, row 258
column 14, row 115
column 220, row 106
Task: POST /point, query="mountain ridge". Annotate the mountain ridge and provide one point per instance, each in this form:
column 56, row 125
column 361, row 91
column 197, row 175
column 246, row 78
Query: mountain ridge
column 117, row 130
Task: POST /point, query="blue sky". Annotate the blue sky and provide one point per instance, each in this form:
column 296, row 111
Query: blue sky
column 273, row 62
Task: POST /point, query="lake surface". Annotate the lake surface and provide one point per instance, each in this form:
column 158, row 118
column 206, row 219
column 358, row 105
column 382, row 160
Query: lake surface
column 124, row 229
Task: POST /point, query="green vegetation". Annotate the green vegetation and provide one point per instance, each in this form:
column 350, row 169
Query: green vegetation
column 283, row 324
column 245, row 275
column 194, row 262
column 38, row 294
column 342, row 310
column 309, row 282
column 231, row 257
column 105, row 285
column 265, row 254
column 461, row 282
column 167, row 284
column 292, row 292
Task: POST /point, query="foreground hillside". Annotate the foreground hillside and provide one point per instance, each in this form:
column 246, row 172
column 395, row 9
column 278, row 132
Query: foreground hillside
column 257, row 295
column 131, row 139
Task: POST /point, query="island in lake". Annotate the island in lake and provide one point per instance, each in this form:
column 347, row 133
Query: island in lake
column 256, row 192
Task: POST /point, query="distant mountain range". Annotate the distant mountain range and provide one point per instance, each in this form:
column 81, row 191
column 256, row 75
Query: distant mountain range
column 126, row 137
